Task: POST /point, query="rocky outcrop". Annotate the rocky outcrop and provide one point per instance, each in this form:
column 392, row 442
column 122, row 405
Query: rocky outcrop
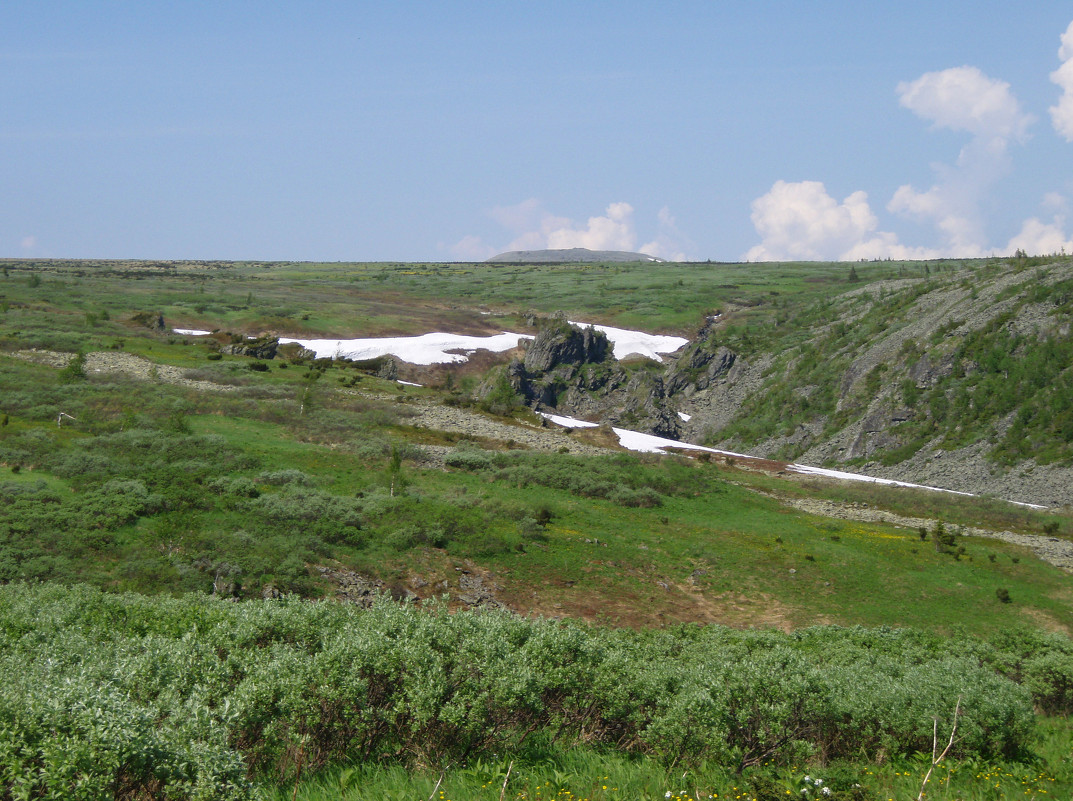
column 560, row 343
column 151, row 320
column 572, row 370
column 389, row 369
column 699, row 366
column 362, row 590
column 259, row 348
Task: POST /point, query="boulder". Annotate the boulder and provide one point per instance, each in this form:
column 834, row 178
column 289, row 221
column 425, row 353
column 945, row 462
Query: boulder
column 259, row 348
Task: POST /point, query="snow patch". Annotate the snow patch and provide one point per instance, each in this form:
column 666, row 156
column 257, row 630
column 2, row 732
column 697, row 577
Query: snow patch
column 568, row 422
column 627, row 343
column 648, row 443
column 190, row 332
column 685, row 418
column 424, row 349
column 433, row 348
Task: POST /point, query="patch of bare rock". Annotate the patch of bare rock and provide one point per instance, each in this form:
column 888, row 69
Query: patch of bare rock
column 117, row 362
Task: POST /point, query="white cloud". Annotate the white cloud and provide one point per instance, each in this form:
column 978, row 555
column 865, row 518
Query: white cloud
column 962, row 99
column 1055, row 201
column 534, row 228
column 1037, row 238
column 614, row 231
column 668, row 242
column 471, row 248
column 800, row 221
column 965, row 99
column 952, row 206
column 1062, row 113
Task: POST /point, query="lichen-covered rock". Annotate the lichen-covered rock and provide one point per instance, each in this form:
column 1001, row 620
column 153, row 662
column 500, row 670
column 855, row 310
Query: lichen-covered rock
column 151, row 320
column 259, row 348
column 389, row 369
column 700, row 366
column 559, row 342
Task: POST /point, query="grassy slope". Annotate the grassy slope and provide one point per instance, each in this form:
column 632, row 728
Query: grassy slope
column 719, row 552
column 711, row 556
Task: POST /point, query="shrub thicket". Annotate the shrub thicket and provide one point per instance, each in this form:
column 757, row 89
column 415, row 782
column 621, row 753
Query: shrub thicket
column 150, row 696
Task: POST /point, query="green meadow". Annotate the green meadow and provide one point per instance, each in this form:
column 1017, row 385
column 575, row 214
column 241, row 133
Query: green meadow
column 169, row 557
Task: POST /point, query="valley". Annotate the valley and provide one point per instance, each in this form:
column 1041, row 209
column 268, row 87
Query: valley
column 175, row 455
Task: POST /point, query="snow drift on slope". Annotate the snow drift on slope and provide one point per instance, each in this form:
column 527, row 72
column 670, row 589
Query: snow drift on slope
column 424, row 349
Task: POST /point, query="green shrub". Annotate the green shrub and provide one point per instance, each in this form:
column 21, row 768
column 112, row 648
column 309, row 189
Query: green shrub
column 184, row 695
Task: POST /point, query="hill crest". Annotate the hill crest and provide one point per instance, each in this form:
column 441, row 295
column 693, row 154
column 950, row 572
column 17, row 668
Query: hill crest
column 569, row 256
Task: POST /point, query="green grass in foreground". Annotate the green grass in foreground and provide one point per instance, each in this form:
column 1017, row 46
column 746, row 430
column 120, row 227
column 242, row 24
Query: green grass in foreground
column 585, row 775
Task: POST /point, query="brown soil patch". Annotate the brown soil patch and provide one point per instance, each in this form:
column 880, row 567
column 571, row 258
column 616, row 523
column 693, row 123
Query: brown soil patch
column 1047, row 621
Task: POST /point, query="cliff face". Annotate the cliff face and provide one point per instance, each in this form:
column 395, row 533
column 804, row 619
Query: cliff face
column 559, row 343
column 571, row 370
column 962, row 379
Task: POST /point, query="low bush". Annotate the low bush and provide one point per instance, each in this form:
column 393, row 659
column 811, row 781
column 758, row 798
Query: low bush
column 157, row 693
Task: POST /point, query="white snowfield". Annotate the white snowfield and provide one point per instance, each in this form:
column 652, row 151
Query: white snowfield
column 649, row 443
column 568, row 422
column 628, row 343
column 191, row 332
column 434, row 348
column 425, row 349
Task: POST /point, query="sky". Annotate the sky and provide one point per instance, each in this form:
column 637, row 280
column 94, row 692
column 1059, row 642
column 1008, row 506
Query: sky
column 739, row 130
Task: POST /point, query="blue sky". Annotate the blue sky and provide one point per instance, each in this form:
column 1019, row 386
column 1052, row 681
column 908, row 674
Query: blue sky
column 400, row 131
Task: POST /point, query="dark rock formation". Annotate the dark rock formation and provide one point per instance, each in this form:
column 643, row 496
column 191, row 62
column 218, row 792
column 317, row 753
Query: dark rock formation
column 260, row 348
column 701, row 365
column 573, row 371
column 151, row 320
column 389, row 369
column 561, row 343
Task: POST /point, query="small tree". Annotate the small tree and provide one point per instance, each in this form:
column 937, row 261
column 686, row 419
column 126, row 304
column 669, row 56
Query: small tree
column 75, row 369
column 502, row 399
column 945, row 539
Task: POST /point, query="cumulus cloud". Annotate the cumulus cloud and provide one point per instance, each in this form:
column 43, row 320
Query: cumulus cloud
column 1037, row 238
column 613, row 231
column 471, row 248
column 668, row 244
column 962, row 99
column 801, row 221
column 1062, row 113
column 965, row 99
column 532, row 227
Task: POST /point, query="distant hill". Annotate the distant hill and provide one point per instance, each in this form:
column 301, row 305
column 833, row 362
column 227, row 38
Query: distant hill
column 568, row 256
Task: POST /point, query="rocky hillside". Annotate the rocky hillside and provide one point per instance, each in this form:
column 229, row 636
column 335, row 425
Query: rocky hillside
column 960, row 377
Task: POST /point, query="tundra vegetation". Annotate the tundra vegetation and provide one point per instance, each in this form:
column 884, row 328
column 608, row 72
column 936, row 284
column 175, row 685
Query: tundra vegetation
column 174, row 529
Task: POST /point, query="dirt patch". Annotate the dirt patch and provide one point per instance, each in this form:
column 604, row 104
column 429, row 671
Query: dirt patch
column 1047, row 621
column 118, row 362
